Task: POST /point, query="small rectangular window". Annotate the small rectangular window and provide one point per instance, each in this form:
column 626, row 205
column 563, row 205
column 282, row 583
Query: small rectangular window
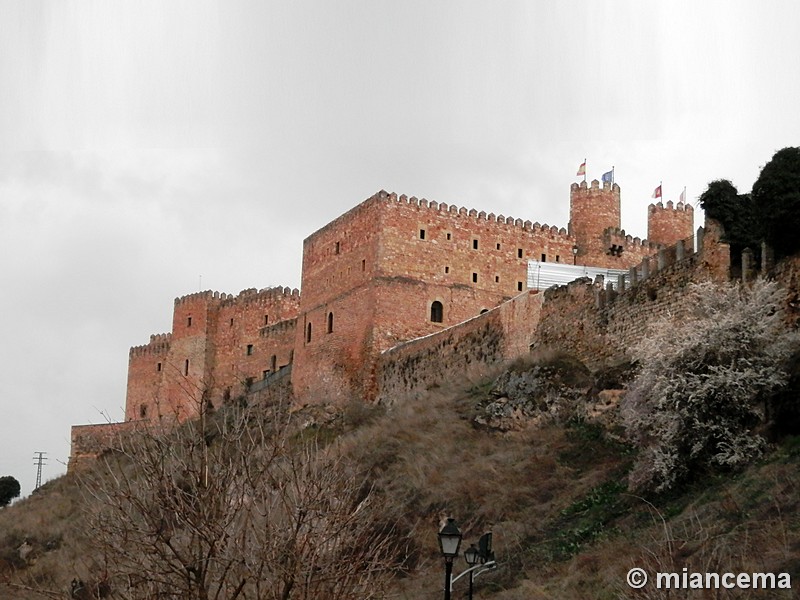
column 189, row 322
column 544, row 257
column 158, row 367
column 474, row 278
column 498, row 246
column 474, row 244
column 447, row 269
column 422, row 234
column 449, row 236
column 337, row 248
column 249, row 349
column 266, row 319
column 231, row 322
column 519, row 252
column 497, row 278
column 558, row 258
column 519, row 286
column 363, row 265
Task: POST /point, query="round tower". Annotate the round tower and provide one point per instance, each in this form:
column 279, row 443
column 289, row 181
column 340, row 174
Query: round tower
column 668, row 224
column 592, row 210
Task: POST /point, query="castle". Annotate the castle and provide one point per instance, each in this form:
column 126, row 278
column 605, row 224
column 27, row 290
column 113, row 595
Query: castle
column 390, row 270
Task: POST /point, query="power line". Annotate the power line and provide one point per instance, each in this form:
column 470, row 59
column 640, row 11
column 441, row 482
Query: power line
column 38, row 460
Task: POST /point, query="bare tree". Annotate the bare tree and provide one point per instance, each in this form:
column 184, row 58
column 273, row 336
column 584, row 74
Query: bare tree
column 233, row 506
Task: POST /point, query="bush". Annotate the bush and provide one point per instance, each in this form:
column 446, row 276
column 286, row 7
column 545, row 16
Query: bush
column 704, row 383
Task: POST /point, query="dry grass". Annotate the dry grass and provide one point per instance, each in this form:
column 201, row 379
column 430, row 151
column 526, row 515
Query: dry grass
column 563, row 526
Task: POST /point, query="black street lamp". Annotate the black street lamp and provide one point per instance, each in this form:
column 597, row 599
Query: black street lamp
column 575, row 255
column 449, row 541
column 471, row 556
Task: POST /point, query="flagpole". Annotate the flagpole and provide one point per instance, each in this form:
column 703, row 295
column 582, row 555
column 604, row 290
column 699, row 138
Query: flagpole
column 584, row 170
column 612, row 175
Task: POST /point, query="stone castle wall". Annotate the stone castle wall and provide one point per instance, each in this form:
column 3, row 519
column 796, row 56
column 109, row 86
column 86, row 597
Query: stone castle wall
column 219, row 346
column 391, row 269
column 598, row 324
column 469, row 350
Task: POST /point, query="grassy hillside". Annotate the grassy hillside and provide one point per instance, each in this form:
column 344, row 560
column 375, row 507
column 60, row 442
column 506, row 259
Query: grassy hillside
column 550, row 483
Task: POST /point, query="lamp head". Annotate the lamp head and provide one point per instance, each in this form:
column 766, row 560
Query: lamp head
column 449, row 539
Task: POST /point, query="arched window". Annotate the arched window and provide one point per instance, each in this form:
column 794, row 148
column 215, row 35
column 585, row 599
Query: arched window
column 308, row 333
column 330, row 322
column 437, row 312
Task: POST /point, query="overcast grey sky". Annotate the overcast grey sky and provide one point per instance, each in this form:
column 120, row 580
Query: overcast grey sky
column 147, row 144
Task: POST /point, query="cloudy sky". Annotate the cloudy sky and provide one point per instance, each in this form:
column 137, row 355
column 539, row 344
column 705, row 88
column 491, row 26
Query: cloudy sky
column 151, row 148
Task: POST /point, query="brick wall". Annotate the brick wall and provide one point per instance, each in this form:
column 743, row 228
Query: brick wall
column 465, row 351
column 599, row 325
column 90, row 441
column 219, row 344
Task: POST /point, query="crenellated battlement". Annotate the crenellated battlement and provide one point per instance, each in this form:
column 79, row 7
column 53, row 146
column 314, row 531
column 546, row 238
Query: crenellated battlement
column 204, row 296
column 471, row 213
column 670, row 206
column 250, row 295
column 595, row 185
column 262, row 296
column 617, row 234
column 159, row 344
column 279, row 327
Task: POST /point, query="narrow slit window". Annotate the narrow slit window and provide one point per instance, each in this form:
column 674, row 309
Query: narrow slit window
column 447, row 269
column 474, row 244
column 266, row 319
column 249, row 349
column 474, row 278
column 308, row 333
column 449, row 236
column 189, row 322
column 519, row 286
column 422, row 234
column 519, row 252
column 273, row 363
column 497, row 278
column 337, row 248
column 498, row 246
column 158, row 367
column 330, row 322
column 363, row 265
column 186, row 367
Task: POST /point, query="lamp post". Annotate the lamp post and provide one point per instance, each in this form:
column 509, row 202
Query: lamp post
column 575, row 255
column 449, row 541
column 471, row 556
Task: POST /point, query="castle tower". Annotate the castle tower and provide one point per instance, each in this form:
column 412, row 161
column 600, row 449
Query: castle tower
column 668, row 224
column 592, row 211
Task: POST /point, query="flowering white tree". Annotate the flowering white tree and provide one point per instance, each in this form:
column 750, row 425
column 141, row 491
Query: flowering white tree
column 705, row 380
